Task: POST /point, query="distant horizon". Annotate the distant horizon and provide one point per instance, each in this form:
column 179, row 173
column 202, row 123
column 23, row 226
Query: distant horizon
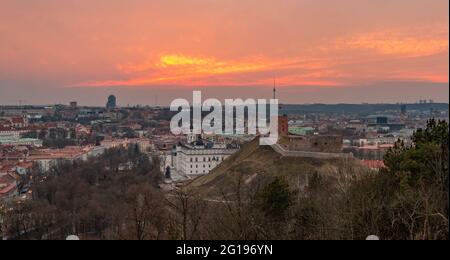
column 377, row 94
column 167, row 106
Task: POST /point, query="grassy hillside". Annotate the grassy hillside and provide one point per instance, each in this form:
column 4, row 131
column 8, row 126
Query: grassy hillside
column 254, row 166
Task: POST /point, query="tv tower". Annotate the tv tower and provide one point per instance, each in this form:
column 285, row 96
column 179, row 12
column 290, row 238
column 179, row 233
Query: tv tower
column 274, row 90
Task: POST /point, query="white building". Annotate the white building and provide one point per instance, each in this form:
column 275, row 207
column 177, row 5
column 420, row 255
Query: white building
column 10, row 134
column 143, row 144
column 13, row 137
column 200, row 157
column 22, row 142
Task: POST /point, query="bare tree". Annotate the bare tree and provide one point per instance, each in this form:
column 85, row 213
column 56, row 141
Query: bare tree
column 146, row 212
column 19, row 222
column 2, row 220
column 187, row 209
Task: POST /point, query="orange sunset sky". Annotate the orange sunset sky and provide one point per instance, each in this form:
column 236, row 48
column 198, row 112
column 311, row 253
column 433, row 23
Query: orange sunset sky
column 153, row 51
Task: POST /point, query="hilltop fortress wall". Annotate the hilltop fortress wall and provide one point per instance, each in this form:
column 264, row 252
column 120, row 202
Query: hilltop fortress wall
column 320, row 144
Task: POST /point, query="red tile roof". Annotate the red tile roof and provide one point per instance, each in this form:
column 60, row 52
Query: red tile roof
column 17, row 120
column 2, row 128
column 8, row 189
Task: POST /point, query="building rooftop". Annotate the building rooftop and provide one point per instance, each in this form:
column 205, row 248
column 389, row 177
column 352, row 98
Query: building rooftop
column 70, row 152
column 9, row 188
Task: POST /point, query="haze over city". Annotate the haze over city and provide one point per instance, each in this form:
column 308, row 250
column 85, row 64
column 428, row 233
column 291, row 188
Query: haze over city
column 151, row 52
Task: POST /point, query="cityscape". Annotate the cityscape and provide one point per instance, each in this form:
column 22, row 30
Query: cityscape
column 362, row 124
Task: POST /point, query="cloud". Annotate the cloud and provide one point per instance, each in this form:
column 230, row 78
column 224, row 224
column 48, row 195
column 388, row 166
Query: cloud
column 417, row 42
column 189, row 70
column 401, row 53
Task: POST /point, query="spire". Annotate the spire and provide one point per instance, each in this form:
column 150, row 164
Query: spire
column 274, row 89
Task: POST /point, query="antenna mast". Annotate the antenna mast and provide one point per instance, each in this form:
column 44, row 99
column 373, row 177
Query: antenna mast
column 274, row 89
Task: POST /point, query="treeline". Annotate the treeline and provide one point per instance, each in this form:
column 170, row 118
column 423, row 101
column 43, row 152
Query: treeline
column 363, row 109
column 89, row 198
column 117, row 197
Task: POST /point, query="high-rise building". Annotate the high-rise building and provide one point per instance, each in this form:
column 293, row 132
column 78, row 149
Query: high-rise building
column 112, row 102
column 403, row 109
column 382, row 120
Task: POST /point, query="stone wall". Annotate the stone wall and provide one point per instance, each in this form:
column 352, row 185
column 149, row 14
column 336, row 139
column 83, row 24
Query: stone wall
column 315, row 143
column 317, row 155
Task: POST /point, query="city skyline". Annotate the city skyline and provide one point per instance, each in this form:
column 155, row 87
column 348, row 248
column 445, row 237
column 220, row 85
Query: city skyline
column 224, row 120
column 151, row 53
